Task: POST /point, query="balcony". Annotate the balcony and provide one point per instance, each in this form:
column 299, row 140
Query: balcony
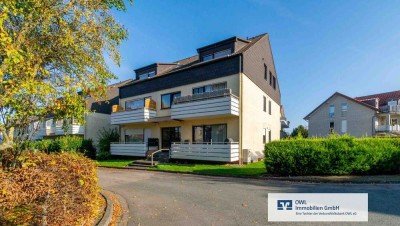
column 120, row 116
column 129, row 149
column 390, row 109
column 59, row 131
column 388, row 128
column 284, row 123
column 217, row 103
column 219, row 152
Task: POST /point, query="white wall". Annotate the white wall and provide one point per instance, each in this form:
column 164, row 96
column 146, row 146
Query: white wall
column 255, row 120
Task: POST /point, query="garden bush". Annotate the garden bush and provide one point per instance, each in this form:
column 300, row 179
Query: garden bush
column 333, row 156
column 65, row 144
column 106, row 137
column 52, row 189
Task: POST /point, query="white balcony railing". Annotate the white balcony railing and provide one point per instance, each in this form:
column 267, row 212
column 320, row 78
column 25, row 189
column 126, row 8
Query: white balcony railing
column 220, row 152
column 221, row 102
column 129, row 149
column 390, row 109
column 387, row 128
column 132, row 116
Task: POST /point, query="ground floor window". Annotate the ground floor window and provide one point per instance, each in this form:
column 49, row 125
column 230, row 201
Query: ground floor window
column 170, row 135
column 134, row 135
column 210, row 133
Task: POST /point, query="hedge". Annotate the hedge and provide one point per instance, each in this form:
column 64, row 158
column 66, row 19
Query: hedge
column 49, row 189
column 65, row 144
column 333, row 156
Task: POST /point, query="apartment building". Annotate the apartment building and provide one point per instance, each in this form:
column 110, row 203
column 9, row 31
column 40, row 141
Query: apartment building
column 222, row 104
column 99, row 117
column 371, row 115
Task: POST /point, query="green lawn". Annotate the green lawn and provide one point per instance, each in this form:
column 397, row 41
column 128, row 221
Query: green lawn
column 121, row 163
column 253, row 169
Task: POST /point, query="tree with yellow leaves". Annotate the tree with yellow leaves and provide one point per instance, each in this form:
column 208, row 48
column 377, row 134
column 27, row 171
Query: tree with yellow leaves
column 52, row 55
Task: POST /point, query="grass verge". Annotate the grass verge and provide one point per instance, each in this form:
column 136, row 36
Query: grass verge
column 249, row 170
column 118, row 163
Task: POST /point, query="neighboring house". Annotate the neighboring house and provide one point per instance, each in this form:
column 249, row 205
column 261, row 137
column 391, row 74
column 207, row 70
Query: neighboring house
column 372, row 115
column 284, row 122
column 222, row 104
column 97, row 119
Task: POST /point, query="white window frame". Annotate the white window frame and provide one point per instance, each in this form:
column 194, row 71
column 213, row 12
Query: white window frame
column 344, row 126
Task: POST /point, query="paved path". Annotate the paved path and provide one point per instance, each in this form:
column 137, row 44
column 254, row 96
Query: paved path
column 157, row 198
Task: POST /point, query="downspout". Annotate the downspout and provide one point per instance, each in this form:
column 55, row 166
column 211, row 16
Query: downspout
column 240, row 112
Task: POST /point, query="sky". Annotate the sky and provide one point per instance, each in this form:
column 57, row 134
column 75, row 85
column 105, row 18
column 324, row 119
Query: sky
column 319, row 46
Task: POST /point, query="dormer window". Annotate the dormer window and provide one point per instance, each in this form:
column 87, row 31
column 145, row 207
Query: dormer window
column 216, row 55
column 147, row 75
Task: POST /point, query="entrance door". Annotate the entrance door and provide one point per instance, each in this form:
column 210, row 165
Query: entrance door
column 169, row 135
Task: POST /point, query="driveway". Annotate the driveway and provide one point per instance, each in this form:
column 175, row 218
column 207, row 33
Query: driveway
column 156, row 198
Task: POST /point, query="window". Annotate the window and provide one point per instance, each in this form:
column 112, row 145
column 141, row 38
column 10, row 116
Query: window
column 59, row 123
column 209, row 88
column 217, row 55
column 270, row 78
column 269, row 136
column 265, row 72
column 274, row 82
column 207, row 57
column 265, row 136
column 265, row 104
column 167, row 99
column 49, row 123
column 344, row 126
column 134, row 135
column 147, row 75
column 394, row 122
column 210, row 133
column 331, row 111
column 344, row 106
column 270, row 107
column 135, row 104
column 331, row 127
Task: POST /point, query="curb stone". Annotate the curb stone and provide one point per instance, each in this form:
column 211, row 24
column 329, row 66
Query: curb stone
column 107, row 216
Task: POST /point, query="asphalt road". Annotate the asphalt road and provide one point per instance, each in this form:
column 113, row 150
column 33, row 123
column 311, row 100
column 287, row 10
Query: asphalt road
column 156, row 198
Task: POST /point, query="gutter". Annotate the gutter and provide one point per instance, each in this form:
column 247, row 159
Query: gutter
column 240, row 111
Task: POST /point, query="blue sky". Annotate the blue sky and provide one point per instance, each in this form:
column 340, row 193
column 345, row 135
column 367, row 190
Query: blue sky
column 319, row 46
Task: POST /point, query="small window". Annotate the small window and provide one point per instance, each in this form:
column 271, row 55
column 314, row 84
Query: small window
column 270, row 78
column 344, row 106
column 344, row 126
column 147, row 75
column 151, row 74
column 167, row 99
column 394, row 122
column 269, row 136
column 222, row 53
column 264, row 138
column 274, row 82
column 207, row 57
column 209, row 88
column 270, row 107
column 331, row 111
column 134, row 104
column 217, row 55
column 265, row 104
column 265, row 72
column 332, row 127
column 59, row 123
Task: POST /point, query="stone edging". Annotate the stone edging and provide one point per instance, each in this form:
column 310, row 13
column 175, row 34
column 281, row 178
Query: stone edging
column 107, row 216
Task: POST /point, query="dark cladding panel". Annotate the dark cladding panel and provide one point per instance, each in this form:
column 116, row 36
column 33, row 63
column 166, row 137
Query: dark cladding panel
column 211, row 70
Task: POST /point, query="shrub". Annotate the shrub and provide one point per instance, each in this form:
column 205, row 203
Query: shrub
column 333, row 156
column 53, row 189
column 88, row 149
column 105, row 139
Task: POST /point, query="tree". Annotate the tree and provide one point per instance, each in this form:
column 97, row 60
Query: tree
column 52, row 55
column 300, row 131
